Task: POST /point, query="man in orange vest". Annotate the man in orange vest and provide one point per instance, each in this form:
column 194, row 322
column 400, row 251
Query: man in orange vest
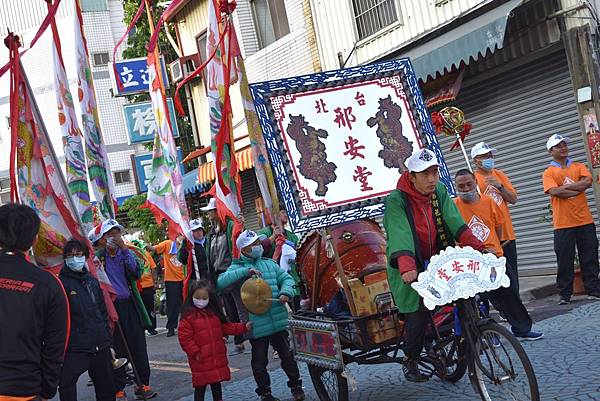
column 496, row 185
column 173, row 273
column 566, row 181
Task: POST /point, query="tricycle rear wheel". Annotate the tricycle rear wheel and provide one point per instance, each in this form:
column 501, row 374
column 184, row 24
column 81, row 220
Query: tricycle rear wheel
column 329, row 384
column 455, row 363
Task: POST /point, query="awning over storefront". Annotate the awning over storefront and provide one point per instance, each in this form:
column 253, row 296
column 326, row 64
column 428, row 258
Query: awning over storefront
column 468, row 40
column 197, row 179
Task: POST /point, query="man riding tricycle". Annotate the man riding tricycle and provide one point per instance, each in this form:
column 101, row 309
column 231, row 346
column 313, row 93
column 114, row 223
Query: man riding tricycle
column 417, row 295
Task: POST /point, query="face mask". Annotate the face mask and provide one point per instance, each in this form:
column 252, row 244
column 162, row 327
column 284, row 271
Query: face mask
column 487, row 164
column 200, row 241
column 468, row 196
column 111, row 243
column 75, row 263
column 256, row 252
column 200, row 303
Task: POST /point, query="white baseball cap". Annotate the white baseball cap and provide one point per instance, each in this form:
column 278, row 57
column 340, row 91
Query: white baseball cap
column 212, row 205
column 482, row 148
column 196, row 224
column 555, row 140
column 421, row 160
column 248, row 237
column 97, row 232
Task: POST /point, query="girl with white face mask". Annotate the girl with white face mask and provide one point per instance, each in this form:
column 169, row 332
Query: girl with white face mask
column 201, row 331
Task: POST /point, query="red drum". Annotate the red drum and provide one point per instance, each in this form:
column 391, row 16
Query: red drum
column 361, row 246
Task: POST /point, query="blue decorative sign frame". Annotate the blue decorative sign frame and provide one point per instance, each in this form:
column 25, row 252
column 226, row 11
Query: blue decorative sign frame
column 401, row 72
column 131, row 113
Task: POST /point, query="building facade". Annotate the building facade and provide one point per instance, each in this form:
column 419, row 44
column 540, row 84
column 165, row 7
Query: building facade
column 277, row 40
column 518, row 66
column 103, row 25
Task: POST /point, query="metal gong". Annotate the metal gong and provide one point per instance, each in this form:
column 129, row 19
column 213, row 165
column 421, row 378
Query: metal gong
column 256, row 295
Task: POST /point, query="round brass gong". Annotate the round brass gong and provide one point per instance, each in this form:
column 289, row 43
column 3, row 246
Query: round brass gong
column 256, row 295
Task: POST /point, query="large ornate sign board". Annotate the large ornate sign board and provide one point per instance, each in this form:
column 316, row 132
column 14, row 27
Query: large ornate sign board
column 457, row 273
column 338, row 140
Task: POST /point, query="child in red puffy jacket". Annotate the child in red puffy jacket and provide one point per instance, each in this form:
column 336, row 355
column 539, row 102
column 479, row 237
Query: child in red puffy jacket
column 201, row 331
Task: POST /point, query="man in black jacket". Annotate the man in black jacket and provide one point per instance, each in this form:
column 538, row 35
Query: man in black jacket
column 199, row 241
column 90, row 340
column 33, row 306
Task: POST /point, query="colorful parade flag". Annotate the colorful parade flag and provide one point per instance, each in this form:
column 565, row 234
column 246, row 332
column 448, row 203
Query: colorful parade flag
column 71, row 135
column 165, row 189
column 227, row 187
column 41, row 184
column 262, row 168
column 97, row 160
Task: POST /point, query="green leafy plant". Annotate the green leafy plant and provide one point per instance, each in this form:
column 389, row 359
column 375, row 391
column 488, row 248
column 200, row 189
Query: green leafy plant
column 547, row 214
column 143, row 219
column 136, row 42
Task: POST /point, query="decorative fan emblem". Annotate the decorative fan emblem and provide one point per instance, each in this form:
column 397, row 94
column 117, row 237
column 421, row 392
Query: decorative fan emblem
column 425, row 156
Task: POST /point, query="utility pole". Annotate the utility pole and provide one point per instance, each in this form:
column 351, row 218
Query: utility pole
column 583, row 68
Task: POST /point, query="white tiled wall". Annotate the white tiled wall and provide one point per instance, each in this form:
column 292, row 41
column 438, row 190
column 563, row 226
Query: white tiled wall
column 120, row 161
column 100, row 39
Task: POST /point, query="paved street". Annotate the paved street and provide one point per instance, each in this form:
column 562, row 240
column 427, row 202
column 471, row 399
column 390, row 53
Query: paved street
column 566, row 364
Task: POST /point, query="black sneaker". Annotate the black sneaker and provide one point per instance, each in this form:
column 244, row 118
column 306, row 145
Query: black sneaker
column 268, row 397
column 564, row 300
column 594, row 295
column 144, row 392
column 412, row 372
column 298, row 394
column 152, row 332
column 171, row 333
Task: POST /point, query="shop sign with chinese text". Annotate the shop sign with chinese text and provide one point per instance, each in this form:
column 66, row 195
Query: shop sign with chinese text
column 133, row 73
column 143, row 168
column 338, row 140
column 141, row 123
column 457, row 273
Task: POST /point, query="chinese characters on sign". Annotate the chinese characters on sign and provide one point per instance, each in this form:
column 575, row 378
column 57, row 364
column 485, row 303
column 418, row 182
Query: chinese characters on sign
column 338, row 140
column 458, row 268
column 141, row 124
column 143, row 169
column 331, row 128
column 457, row 273
column 133, row 74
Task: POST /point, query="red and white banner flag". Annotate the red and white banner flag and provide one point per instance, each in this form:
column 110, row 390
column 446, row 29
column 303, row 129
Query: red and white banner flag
column 98, row 166
column 165, row 189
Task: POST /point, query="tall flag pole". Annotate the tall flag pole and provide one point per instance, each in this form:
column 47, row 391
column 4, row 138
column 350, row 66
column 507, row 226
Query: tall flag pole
column 97, row 160
column 41, row 184
column 71, row 135
column 262, row 168
column 165, row 189
column 227, row 188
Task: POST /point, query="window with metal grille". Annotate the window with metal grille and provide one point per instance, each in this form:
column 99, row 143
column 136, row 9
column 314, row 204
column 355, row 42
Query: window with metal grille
column 100, row 59
column 270, row 21
column 122, row 177
column 372, row 16
column 4, row 184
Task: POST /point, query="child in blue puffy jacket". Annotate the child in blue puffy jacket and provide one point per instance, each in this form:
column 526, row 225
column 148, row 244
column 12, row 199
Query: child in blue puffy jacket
column 270, row 327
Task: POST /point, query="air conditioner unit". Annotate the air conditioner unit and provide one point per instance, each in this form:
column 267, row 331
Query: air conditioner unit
column 176, row 69
column 183, row 66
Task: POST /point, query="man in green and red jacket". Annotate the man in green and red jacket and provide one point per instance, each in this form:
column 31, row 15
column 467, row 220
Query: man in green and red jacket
column 413, row 238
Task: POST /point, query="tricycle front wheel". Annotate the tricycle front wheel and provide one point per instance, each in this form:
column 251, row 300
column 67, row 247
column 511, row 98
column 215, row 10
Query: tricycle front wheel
column 329, row 384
